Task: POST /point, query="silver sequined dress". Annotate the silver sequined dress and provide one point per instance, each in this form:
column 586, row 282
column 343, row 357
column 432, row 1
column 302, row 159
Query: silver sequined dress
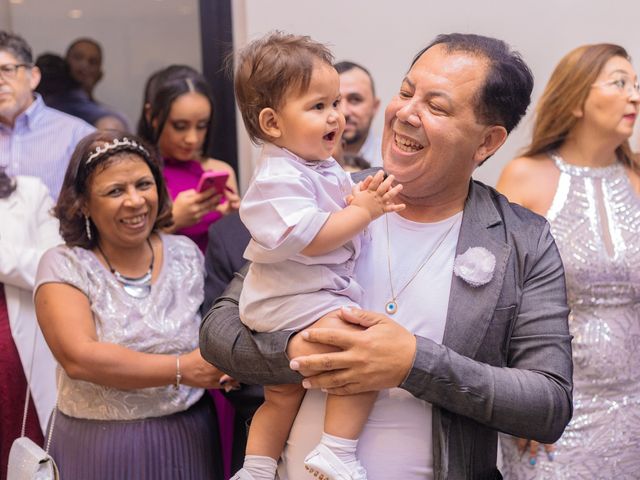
column 165, row 322
column 595, row 219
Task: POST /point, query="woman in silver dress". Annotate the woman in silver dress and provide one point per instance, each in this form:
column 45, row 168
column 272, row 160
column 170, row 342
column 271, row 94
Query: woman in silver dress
column 118, row 305
column 579, row 172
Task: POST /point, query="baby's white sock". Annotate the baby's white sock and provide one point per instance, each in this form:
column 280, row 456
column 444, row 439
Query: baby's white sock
column 261, row 468
column 344, row 448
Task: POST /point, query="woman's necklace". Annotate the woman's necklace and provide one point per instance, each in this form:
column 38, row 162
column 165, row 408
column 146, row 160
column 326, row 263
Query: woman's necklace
column 391, row 306
column 137, row 287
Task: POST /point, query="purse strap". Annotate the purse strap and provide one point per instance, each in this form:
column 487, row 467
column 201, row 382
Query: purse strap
column 28, row 396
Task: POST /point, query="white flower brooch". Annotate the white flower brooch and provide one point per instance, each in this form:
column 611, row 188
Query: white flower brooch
column 475, row 266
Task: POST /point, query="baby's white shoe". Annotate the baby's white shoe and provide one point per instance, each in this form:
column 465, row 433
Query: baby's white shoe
column 323, row 464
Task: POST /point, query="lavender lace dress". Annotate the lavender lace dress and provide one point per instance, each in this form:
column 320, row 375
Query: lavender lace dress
column 595, row 219
column 104, row 433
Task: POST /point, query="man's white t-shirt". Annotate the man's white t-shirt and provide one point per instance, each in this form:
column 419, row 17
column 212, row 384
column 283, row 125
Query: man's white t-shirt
column 396, row 441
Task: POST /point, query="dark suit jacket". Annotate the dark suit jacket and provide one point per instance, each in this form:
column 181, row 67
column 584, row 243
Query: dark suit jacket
column 228, row 238
column 505, row 360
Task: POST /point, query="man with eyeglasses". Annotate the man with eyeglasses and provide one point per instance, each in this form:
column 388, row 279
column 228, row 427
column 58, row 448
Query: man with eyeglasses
column 35, row 140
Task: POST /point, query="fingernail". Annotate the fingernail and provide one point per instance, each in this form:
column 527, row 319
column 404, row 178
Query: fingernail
column 294, row 365
column 305, row 335
column 347, row 309
column 306, row 383
column 551, row 456
column 532, row 461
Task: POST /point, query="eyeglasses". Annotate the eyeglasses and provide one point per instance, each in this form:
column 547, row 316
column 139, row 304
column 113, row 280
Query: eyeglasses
column 9, row 70
column 622, row 85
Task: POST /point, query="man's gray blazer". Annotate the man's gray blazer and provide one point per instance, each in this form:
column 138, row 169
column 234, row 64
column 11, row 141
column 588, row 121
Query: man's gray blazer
column 505, row 360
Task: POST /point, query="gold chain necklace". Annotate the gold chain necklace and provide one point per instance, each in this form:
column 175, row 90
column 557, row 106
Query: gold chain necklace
column 391, row 306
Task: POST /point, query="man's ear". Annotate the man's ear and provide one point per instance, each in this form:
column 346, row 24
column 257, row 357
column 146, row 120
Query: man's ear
column 494, row 137
column 376, row 105
column 269, row 123
column 34, row 78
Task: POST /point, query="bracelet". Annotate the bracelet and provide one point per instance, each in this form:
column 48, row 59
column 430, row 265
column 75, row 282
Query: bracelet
column 178, row 374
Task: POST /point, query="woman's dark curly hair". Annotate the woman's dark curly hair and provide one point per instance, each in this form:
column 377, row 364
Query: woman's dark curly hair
column 77, row 181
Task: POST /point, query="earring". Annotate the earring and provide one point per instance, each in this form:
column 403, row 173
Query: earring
column 87, row 225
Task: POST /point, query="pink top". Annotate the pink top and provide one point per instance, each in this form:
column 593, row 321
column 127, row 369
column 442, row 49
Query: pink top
column 181, row 176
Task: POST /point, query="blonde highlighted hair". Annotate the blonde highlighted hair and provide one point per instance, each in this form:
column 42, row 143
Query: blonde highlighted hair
column 567, row 90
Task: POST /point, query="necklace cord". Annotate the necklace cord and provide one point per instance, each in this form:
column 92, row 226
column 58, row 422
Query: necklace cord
column 394, row 297
column 130, row 279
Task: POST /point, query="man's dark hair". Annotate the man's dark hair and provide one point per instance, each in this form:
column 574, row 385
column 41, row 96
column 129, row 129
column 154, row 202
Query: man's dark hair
column 16, row 46
column 346, row 65
column 506, row 93
column 88, row 40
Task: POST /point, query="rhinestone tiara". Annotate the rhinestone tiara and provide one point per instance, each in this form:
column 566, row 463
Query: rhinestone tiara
column 132, row 144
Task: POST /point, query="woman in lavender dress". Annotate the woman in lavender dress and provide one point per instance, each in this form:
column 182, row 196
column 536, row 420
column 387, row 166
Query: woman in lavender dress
column 579, row 172
column 118, row 305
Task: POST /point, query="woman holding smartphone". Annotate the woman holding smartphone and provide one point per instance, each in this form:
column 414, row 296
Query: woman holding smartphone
column 177, row 117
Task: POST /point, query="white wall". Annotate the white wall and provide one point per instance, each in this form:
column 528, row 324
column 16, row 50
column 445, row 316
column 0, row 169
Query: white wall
column 140, row 36
column 137, row 36
column 5, row 20
column 384, row 36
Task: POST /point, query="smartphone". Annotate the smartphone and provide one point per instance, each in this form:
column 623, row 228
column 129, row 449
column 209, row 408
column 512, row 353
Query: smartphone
column 215, row 180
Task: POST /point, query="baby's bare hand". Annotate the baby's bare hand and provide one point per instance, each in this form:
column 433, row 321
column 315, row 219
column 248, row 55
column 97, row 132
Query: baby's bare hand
column 379, row 195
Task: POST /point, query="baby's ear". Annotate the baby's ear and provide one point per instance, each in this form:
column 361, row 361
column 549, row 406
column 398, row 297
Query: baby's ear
column 269, row 123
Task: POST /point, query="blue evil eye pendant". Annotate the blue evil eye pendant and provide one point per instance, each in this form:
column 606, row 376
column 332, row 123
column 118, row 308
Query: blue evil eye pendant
column 391, row 307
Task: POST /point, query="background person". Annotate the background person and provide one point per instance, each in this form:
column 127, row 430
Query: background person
column 61, row 91
column 359, row 105
column 180, row 114
column 118, row 305
column 35, row 140
column 84, row 57
column 28, row 230
column 474, row 349
column 579, row 172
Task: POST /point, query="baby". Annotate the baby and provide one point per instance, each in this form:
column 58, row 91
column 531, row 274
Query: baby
column 305, row 236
